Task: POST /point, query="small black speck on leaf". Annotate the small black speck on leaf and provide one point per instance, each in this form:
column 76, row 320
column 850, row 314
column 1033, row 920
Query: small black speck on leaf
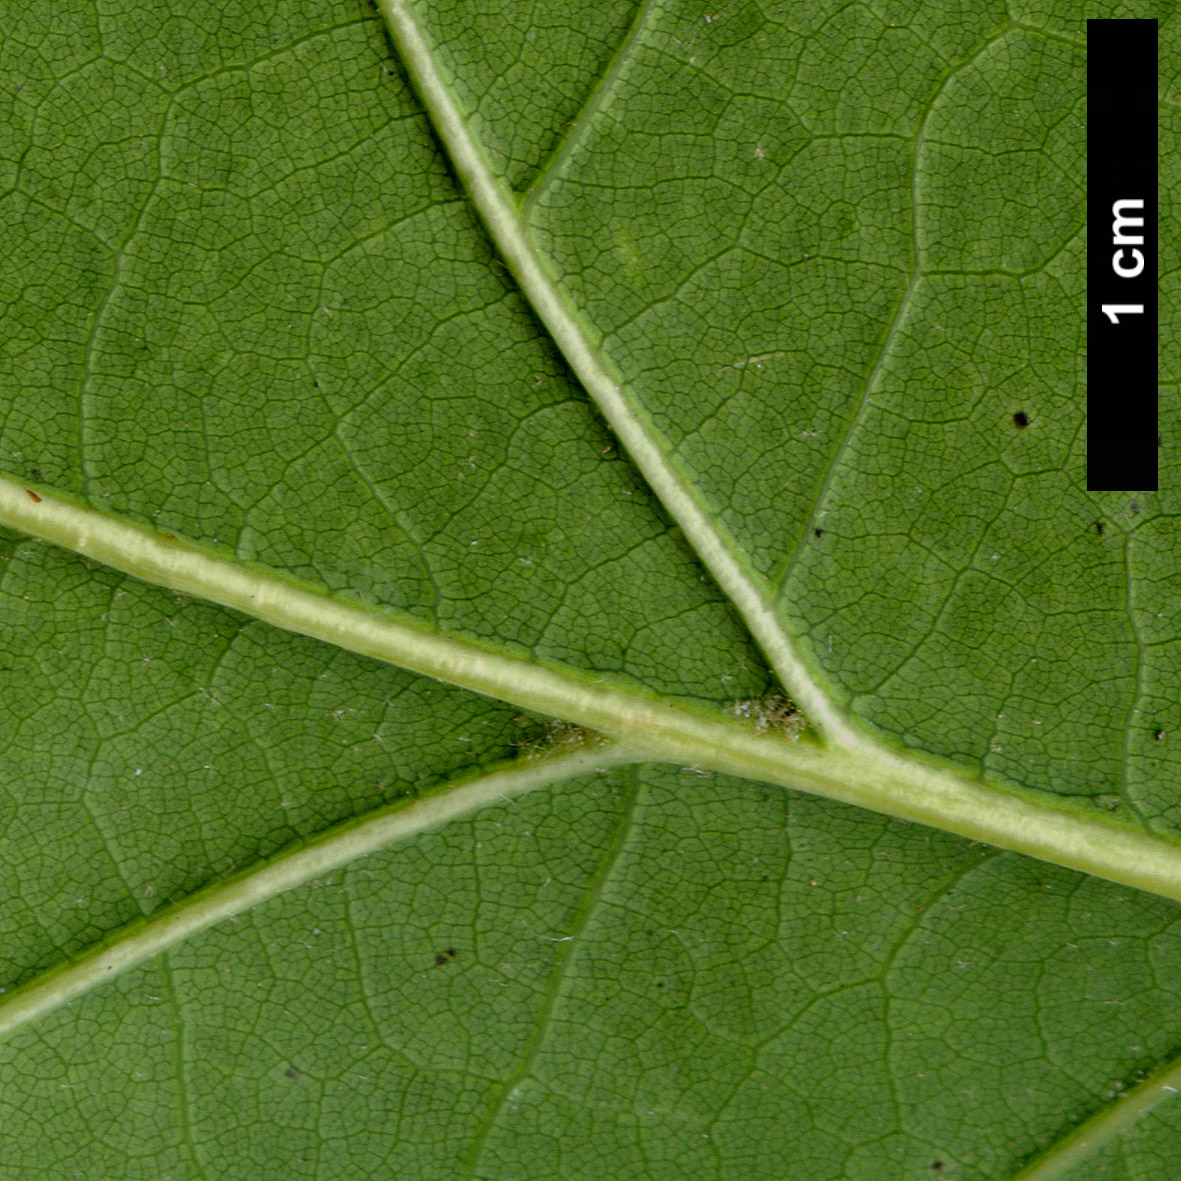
column 1020, row 419
column 440, row 960
column 291, row 1072
column 452, row 952
column 1159, row 736
column 1099, row 528
column 937, row 1166
column 1134, row 507
column 818, row 532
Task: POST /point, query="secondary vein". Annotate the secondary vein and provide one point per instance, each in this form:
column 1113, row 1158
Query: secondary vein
column 1105, row 1126
column 714, row 546
column 339, row 845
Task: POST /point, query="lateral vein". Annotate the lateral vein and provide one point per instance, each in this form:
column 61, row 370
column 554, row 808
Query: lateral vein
column 574, row 337
column 142, row 939
column 1059, row 1161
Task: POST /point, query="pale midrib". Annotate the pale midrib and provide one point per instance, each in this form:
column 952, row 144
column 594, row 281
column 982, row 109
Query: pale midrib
column 497, row 207
column 338, row 846
column 909, row 786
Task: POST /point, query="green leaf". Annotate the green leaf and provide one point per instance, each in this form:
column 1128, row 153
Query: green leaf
column 372, row 377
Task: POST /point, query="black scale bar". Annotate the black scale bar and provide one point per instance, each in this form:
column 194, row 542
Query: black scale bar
column 1122, row 428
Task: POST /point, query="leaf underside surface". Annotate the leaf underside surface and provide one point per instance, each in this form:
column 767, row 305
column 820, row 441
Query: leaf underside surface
column 817, row 259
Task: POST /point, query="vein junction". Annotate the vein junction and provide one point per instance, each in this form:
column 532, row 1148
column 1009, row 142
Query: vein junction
column 575, row 338
column 868, row 774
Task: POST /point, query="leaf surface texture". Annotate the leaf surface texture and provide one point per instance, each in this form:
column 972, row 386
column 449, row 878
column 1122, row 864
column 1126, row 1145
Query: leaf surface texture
column 832, row 251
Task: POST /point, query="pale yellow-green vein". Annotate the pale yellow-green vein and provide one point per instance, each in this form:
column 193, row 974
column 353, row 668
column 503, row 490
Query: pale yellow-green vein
column 1105, row 1126
column 712, row 542
column 141, row 940
column 872, row 776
